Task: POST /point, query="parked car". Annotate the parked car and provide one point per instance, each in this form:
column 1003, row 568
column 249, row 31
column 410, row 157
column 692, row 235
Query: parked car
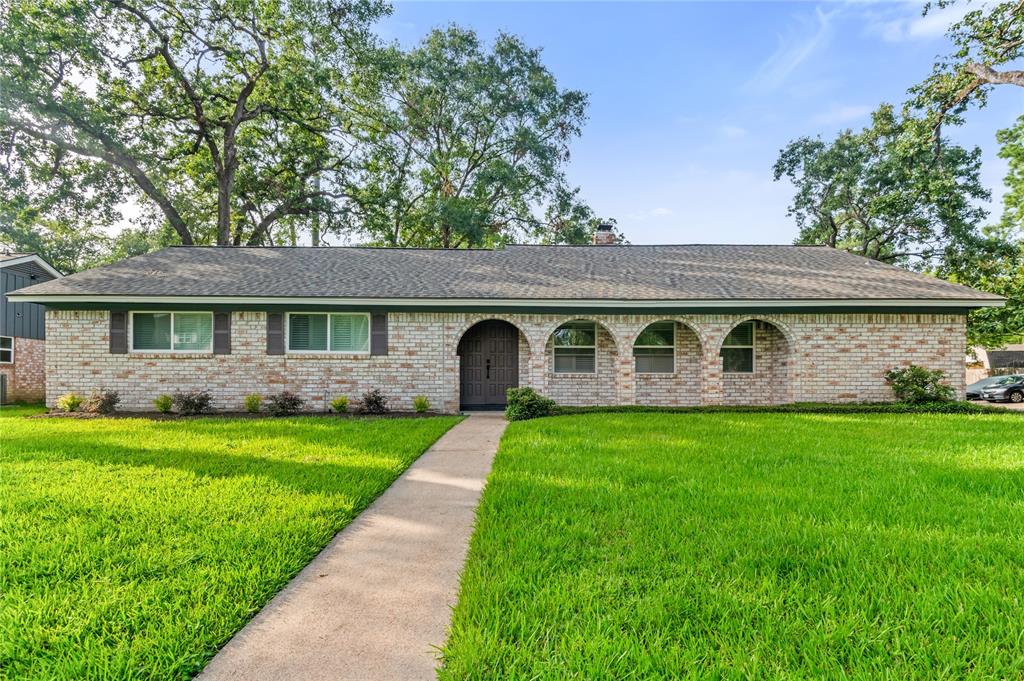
column 974, row 389
column 1008, row 389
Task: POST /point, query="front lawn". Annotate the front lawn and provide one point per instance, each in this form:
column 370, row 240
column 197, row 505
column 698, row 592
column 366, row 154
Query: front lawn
column 635, row 546
column 132, row 548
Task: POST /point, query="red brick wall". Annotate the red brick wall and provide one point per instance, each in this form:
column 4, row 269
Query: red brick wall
column 26, row 377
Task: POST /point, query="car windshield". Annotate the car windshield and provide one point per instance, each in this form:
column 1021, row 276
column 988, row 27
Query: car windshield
column 1006, row 380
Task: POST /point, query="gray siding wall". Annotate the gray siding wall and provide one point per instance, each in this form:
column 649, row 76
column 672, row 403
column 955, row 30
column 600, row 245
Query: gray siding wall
column 25, row 320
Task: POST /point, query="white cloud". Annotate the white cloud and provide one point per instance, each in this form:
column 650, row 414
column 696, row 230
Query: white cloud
column 842, row 113
column 812, row 33
column 910, row 24
column 658, row 212
column 732, row 132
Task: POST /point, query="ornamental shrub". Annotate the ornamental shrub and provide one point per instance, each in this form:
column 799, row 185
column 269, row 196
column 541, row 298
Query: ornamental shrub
column 192, row 402
column 527, row 403
column 339, row 404
column 285, row 403
column 102, row 402
column 69, row 403
column 253, row 403
column 373, row 402
column 918, row 385
column 163, row 404
column 421, row 404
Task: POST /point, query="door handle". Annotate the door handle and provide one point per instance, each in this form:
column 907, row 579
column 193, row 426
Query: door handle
column 488, row 365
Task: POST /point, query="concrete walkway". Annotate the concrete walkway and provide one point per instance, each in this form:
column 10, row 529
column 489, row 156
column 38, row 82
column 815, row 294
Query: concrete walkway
column 376, row 603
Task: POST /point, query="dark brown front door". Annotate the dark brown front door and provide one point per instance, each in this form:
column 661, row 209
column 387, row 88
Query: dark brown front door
column 489, row 355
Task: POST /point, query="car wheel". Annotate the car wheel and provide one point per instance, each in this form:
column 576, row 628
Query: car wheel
column 1017, row 397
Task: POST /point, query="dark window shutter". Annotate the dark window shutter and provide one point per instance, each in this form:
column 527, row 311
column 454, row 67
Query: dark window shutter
column 118, row 333
column 379, row 333
column 222, row 333
column 275, row 333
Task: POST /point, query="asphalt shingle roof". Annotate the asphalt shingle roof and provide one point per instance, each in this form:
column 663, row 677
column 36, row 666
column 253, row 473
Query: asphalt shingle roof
column 644, row 273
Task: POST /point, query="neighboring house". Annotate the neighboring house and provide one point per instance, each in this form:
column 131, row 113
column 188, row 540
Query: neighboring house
column 22, row 328
column 586, row 325
column 983, row 363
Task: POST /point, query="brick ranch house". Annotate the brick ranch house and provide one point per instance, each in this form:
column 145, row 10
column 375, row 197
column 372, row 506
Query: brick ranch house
column 22, row 328
column 586, row 325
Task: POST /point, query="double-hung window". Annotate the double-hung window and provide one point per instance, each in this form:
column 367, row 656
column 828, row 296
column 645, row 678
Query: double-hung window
column 6, row 350
column 738, row 350
column 329, row 332
column 655, row 349
column 172, row 331
column 575, row 346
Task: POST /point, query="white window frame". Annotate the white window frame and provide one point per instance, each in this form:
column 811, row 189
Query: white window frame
column 555, row 347
column 658, row 347
column 752, row 346
column 171, row 351
column 11, row 338
column 328, row 351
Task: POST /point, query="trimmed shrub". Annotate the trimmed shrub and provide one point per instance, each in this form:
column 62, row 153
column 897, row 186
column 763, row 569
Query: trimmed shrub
column 339, row 404
column 527, row 403
column 284, row 403
column 421, row 404
column 102, row 402
column 801, row 408
column 373, row 402
column 163, row 404
column 192, row 402
column 69, row 403
column 918, row 385
column 253, row 403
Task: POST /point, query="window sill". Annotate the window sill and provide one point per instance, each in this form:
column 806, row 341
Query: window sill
column 577, row 374
column 327, row 355
column 170, row 355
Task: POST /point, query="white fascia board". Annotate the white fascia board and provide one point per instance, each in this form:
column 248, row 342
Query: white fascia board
column 507, row 302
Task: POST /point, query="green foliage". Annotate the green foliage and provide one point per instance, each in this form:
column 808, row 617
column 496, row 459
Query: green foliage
column 163, row 404
column 753, row 546
column 192, row 402
column 1012, row 141
column 172, row 534
column 69, row 403
column 465, row 145
column 799, row 408
column 373, row 402
column 884, row 194
column 285, row 403
column 421, row 404
column 340, row 404
column 102, row 402
column 226, row 119
column 919, row 385
column 527, row 403
column 253, row 403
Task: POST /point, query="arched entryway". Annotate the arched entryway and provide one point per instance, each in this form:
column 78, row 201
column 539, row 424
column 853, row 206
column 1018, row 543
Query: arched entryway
column 488, row 364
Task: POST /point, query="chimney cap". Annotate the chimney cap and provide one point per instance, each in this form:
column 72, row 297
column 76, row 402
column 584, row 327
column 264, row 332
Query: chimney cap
column 605, row 227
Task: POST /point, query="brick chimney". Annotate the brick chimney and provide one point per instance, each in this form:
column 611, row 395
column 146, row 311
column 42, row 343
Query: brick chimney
column 604, row 236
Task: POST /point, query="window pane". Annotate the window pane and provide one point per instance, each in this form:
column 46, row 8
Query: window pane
column 574, row 361
column 575, row 333
column 741, row 335
column 192, row 330
column 661, row 333
column 350, row 333
column 151, row 331
column 654, row 360
column 6, row 343
column 307, row 332
column 738, row 360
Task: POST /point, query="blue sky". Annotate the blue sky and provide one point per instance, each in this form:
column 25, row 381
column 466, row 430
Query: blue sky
column 690, row 102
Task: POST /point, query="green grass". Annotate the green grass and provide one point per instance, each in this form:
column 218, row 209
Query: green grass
column 637, row 546
column 132, row 548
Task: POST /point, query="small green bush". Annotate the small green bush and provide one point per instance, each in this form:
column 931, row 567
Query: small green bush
column 373, row 402
column 163, row 404
column 421, row 404
column 285, row 403
column 527, row 403
column 102, row 402
column 339, row 404
column 918, row 385
column 192, row 402
column 253, row 403
column 69, row 403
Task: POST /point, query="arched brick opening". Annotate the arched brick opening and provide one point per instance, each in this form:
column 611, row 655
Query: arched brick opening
column 585, row 388
column 769, row 378
column 682, row 385
column 494, row 355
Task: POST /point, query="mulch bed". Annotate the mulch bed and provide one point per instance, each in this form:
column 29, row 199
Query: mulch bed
column 157, row 416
